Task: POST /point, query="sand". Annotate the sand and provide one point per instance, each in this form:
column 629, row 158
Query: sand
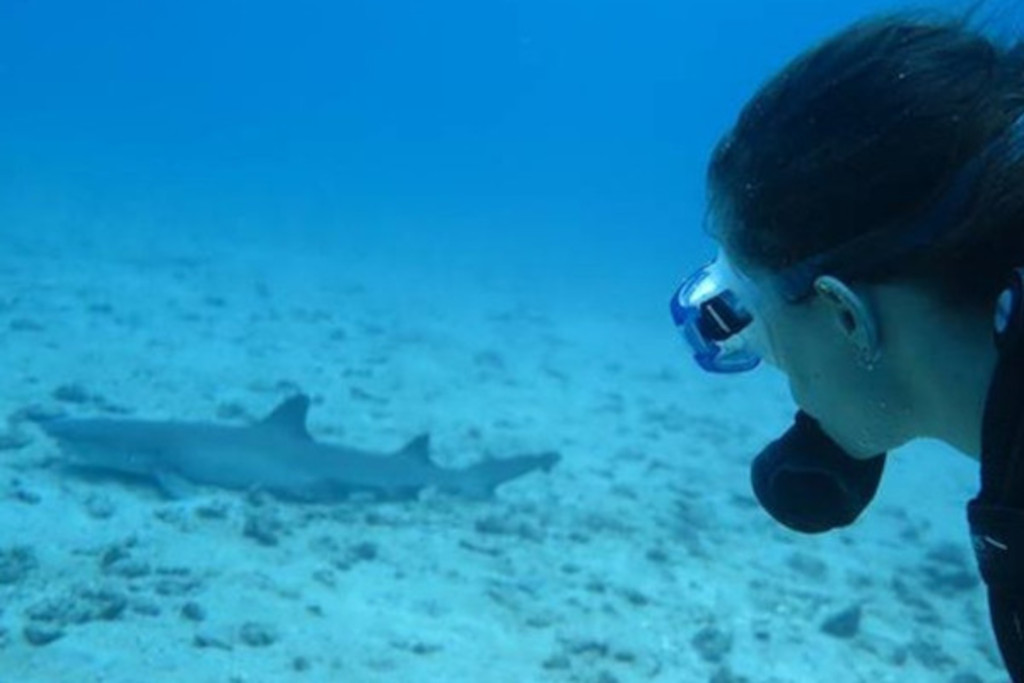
column 642, row 556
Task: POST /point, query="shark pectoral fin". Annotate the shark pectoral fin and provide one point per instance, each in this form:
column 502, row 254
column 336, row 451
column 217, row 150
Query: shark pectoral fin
column 289, row 417
column 175, row 486
column 417, row 449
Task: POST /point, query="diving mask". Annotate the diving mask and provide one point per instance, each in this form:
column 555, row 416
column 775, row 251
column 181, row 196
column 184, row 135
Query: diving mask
column 715, row 311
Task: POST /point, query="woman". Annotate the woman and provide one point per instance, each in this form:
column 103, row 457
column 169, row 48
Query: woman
column 869, row 207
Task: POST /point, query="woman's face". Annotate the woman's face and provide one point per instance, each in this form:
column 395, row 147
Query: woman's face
column 831, row 346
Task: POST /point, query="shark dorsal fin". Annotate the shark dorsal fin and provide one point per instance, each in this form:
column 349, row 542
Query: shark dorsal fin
column 289, row 417
column 417, row 449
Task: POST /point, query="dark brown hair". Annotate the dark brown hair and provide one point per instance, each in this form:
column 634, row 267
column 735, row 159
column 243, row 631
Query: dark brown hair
column 865, row 132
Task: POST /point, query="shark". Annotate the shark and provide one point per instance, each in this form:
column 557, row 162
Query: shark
column 277, row 455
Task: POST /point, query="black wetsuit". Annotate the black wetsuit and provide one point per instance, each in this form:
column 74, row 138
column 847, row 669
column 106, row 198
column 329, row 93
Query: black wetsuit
column 996, row 515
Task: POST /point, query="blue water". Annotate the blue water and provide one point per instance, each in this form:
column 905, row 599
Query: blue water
column 562, row 133
column 477, row 209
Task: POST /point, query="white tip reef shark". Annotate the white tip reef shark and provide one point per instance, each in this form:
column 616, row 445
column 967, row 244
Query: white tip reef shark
column 276, row 455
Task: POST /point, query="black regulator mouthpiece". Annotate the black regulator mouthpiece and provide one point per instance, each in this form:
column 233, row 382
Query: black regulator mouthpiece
column 807, row 482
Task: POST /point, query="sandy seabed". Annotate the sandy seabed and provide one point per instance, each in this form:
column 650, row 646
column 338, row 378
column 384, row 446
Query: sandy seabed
column 642, row 556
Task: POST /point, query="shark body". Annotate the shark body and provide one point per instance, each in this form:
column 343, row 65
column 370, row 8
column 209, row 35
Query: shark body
column 276, row 455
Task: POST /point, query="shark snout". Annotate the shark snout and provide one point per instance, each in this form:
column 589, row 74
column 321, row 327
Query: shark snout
column 59, row 429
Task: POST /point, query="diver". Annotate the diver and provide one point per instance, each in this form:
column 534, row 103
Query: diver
column 868, row 206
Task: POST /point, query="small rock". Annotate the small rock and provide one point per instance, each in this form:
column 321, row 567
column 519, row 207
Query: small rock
column 36, row 412
column 146, row 608
column 557, row 662
column 13, row 440
column 539, row 621
column 16, row 563
column 931, row 654
column 657, row 555
column 41, row 634
column 217, row 509
column 176, row 581
column 301, row 664
column 843, row 624
column 117, row 561
column 177, row 516
column 587, row 647
column 416, row 647
column 100, row 507
column 808, row 566
column 115, row 553
column 712, row 644
column 257, row 635
column 193, row 611
column 966, row 677
column 910, row 594
column 211, row 639
column 177, row 586
column 263, row 527
column 946, row 571
column 105, row 604
column 130, row 569
column 497, row 525
column 364, row 552
column 635, row 597
column 421, row 648
column 726, row 675
column 491, row 524
column 50, row 610
column 23, row 495
column 325, row 577
column 356, row 553
column 80, row 605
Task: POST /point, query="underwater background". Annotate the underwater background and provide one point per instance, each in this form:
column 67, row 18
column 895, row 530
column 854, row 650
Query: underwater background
column 562, row 141
column 462, row 218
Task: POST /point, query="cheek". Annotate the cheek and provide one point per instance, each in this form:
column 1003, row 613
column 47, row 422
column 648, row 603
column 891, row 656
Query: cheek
column 815, row 361
column 823, row 378
column 853, row 406
column 810, row 366
column 819, row 388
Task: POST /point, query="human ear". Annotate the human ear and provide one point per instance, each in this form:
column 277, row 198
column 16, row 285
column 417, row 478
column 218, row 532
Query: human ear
column 854, row 316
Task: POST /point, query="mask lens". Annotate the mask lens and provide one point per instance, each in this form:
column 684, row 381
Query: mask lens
column 714, row 321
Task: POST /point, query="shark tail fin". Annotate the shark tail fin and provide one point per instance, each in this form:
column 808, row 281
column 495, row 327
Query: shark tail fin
column 481, row 480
